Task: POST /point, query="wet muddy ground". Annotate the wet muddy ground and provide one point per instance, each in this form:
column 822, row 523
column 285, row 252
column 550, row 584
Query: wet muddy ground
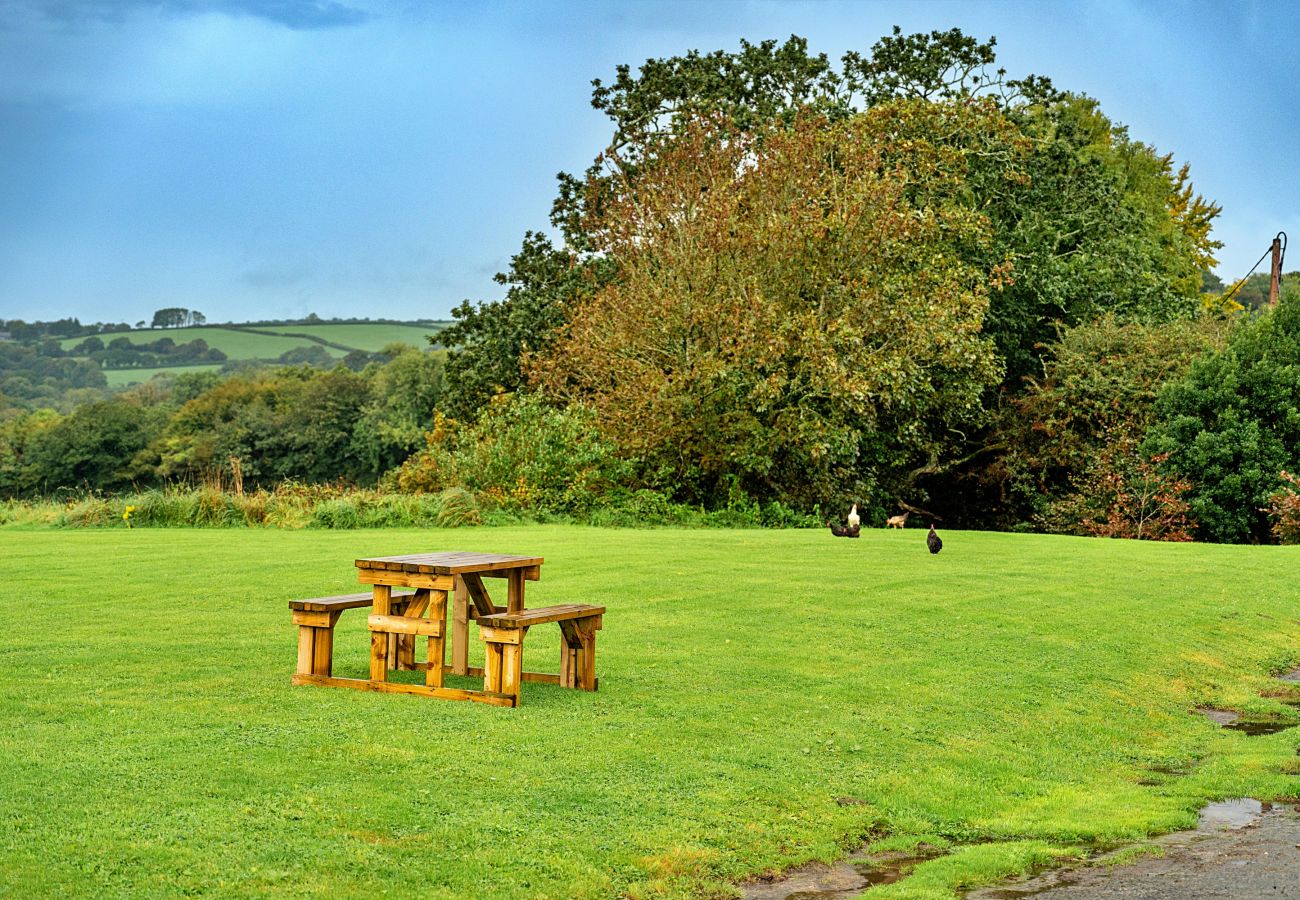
column 1240, row 848
column 849, row 878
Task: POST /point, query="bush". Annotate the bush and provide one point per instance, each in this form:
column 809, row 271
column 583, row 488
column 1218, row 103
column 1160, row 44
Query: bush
column 518, row 454
column 92, row 512
column 1233, row 423
column 1284, row 510
column 334, row 514
column 457, row 507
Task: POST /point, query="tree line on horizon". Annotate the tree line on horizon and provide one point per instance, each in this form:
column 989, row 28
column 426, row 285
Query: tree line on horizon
column 906, row 280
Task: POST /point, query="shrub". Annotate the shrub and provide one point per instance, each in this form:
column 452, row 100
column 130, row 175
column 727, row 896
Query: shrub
column 518, row 454
column 1284, row 510
column 91, row 512
column 339, row 513
column 1233, row 423
column 457, row 507
column 1124, row 494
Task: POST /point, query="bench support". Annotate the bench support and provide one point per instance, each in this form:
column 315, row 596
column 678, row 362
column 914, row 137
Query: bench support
column 394, row 627
column 503, row 648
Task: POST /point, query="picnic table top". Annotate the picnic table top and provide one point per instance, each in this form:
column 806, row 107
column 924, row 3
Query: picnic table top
column 455, row 562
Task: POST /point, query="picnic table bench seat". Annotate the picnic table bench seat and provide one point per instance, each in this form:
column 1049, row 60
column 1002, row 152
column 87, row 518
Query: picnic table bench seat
column 503, row 650
column 316, row 618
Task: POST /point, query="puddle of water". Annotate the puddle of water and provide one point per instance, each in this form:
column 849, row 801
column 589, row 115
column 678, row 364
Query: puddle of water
column 843, row 880
column 1255, row 729
column 1221, row 716
column 1231, row 814
column 1232, row 721
column 820, row 882
column 894, row 867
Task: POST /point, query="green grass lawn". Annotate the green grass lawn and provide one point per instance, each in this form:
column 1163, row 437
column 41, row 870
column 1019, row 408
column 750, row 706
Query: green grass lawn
column 766, row 698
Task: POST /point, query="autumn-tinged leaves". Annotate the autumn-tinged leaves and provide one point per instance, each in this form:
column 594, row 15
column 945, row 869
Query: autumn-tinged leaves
column 782, row 292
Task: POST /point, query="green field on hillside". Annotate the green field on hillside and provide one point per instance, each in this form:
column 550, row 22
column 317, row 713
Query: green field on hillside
column 120, row 377
column 238, row 343
column 364, row 336
column 766, row 698
column 234, row 343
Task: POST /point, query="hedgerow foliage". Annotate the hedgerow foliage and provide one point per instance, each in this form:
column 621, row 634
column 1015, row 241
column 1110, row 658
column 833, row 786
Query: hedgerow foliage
column 1233, row 425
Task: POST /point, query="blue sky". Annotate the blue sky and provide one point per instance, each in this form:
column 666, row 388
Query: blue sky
column 383, row 158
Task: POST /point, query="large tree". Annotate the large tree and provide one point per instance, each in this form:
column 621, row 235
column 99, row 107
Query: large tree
column 788, row 308
column 1093, row 221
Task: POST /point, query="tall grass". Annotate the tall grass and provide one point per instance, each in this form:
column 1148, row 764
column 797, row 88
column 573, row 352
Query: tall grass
column 293, row 505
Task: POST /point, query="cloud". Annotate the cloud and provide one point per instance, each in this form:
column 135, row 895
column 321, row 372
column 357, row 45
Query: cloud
column 298, row 15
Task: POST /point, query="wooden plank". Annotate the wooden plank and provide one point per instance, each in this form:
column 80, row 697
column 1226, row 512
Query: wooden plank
column 543, row 614
column 405, row 579
column 306, row 649
column 585, row 660
column 314, row 618
column 322, row 659
column 450, row 563
column 568, row 664
column 338, row 602
column 378, row 640
column 515, row 588
column 492, row 668
column 511, row 636
column 403, row 625
column 531, row 573
column 437, row 652
column 569, row 634
column 422, row 690
column 478, row 593
column 460, row 629
column 512, row 664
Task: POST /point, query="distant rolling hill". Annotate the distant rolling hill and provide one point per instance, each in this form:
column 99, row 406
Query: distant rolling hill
column 267, row 342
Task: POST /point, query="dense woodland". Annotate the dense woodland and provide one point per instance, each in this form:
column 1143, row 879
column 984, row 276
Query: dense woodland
column 907, row 280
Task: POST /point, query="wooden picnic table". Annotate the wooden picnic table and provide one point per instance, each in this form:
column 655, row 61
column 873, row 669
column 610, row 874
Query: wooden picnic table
column 397, row 619
column 460, row 572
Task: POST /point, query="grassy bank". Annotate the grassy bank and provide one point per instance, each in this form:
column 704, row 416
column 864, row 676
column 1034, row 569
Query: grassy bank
column 767, row 698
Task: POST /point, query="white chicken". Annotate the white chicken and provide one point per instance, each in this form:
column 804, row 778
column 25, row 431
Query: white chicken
column 853, row 518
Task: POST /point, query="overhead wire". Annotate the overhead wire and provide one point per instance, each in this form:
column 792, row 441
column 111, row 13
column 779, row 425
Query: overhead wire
column 1281, row 235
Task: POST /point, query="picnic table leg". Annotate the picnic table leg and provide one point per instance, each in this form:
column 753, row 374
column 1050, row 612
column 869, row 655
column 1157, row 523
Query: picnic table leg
column 315, row 640
column 378, row 639
column 578, row 653
column 323, row 653
column 437, row 643
column 460, row 629
column 503, row 659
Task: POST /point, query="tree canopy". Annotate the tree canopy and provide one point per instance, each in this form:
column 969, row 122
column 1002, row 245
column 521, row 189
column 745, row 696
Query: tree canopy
column 784, row 310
